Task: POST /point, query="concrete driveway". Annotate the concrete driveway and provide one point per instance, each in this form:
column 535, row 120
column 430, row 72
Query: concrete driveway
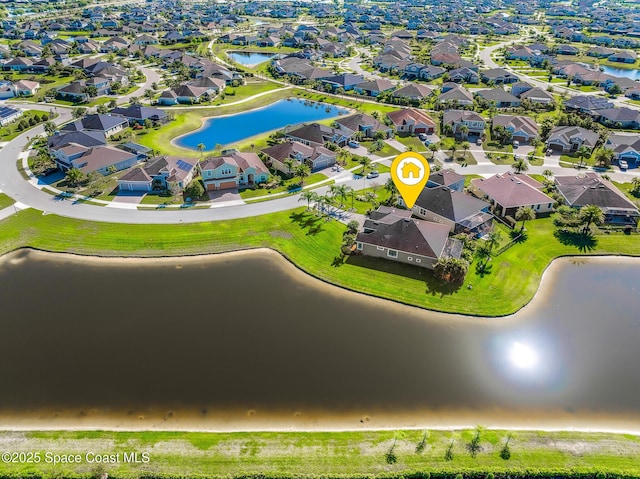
column 224, row 196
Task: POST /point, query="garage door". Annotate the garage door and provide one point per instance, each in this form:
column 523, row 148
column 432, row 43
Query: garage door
column 420, row 130
column 211, row 187
column 227, row 185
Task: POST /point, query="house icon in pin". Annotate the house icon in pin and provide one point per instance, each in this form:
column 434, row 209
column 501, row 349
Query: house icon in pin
column 410, row 169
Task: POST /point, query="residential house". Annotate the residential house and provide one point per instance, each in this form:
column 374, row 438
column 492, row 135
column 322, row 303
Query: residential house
column 625, row 56
column 101, row 159
column 622, row 117
column 316, row 157
column 460, row 212
column 566, row 50
column 412, row 121
column 625, row 147
column 233, row 170
column 519, row 88
column 509, row 191
column 570, row 138
column 592, row 189
column 464, row 75
column 391, row 234
column 185, row 94
column 522, row 128
column 107, row 124
column 9, row 115
column 413, row 92
column 138, row 114
column 446, row 177
column 366, row 124
column 316, row 134
column 457, row 118
column 346, row 81
column 498, row 76
column 587, row 104
column 160, row 174
column 537, row 95
column 458, row 95
column 374, row 87
column 499, row 98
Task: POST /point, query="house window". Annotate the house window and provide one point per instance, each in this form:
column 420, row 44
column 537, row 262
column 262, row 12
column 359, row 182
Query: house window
column 537, row 207
column 418, row 260
column 392, row 253
column 550, row 205
column 360, row 246
column 380, row 248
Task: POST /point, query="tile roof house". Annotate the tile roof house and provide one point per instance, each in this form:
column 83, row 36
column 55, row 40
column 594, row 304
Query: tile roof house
column 498, row 76
column 587, row 103
column 160, row 173
column 315, row 134
column 460, row 212
column 316, row 157
column 139, row 113
column 571, row 138
column 374, row 87
column 391, row 234
column 448, row 178
column 592, row 189
column 412, row 121
column 625, row 147
column 366, row 124
column 233, row 170
column 413, row 92
column 107, row 124
column 509, row 191
column 537, row 95
column 457, row 95
column 523, row 128
column 101, row 159
column 499, row 97
column 474, row 122
column 622, row 117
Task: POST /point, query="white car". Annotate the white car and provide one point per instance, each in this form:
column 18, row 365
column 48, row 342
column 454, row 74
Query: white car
column 623, row 164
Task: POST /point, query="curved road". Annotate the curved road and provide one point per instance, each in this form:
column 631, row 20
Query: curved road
column 27, row 194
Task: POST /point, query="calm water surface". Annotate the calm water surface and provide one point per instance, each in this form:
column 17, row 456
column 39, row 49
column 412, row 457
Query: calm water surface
column 236, row 338
column 230, row 129
column 250, row 58
column 621, row 72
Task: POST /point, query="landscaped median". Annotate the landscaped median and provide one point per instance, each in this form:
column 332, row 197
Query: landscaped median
column 351, row 454
column 313, row 244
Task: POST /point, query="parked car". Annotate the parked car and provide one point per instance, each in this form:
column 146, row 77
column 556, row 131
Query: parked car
column 422, row 136
column 549, row 152
column 516, row 143
column 373, row 174
column 427, row 142
column 623, row 164
column 353, row 144
column 479, row 142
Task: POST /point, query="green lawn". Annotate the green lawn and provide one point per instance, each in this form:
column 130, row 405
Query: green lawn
column 514, row 280
column 287, row 185
column 330, row 454
column 626, row 189
column 5, row 201
column 414, row 142
column 10, row 131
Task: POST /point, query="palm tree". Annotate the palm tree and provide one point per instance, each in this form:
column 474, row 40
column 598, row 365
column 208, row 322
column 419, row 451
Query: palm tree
column 520, row 165
column 493, row 239
column 590, row 214
column 341, row 192
column 365, row 161
column 525, row 213
column 433, row 148
column 301, row 171
column 483, row 253
column 465, row 147
column 74, row 176
column 583, row 153
column 392, row 189
column 200, row 148
column 308, row 196
column 453, row 151
column 464, row 131
column 605, row 157
column 547, row 174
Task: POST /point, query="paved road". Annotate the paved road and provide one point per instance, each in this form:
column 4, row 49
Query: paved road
column 152, row 77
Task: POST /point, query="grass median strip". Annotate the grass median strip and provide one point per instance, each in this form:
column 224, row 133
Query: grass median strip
column 330, row 454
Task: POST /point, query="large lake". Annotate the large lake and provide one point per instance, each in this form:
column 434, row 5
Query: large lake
column 226, row 130
column 248, row 341
column 621, row 72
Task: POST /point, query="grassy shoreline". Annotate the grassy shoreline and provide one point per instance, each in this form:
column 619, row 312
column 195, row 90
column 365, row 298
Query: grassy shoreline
column 328, row 454
column 312, row 244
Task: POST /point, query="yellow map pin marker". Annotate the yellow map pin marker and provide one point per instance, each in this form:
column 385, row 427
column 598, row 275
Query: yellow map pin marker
column 410, row 172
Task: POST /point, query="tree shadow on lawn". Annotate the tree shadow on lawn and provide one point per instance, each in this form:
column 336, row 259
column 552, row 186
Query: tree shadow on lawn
column 306, row 219
column 585, row 242
column 483, row 268
column 434, row 286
